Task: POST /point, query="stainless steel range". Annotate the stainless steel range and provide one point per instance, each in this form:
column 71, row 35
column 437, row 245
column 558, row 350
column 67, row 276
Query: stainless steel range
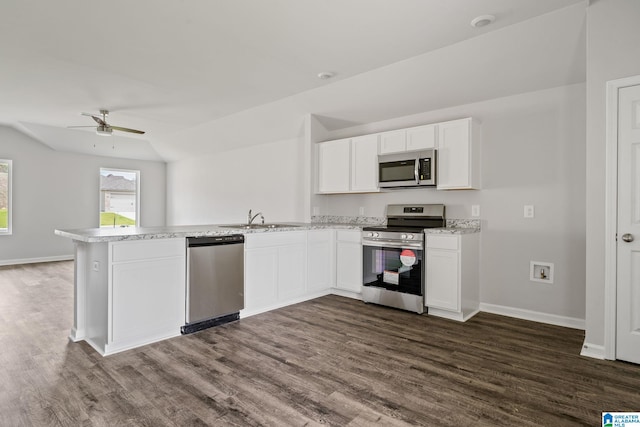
column 393, row 256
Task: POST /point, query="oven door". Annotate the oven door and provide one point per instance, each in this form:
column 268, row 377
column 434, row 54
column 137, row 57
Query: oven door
column 394, row 266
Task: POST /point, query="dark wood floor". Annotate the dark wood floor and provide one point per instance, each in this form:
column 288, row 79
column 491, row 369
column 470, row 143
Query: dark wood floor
column 329, row 361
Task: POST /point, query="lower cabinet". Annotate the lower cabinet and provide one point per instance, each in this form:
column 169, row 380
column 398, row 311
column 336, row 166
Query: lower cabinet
column 135, row 294
column 275, row 269
column 349, row 260
column 321, row 271
column 452, row 284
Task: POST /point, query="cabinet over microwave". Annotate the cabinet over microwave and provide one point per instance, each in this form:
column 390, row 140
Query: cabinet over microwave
column 408, row 169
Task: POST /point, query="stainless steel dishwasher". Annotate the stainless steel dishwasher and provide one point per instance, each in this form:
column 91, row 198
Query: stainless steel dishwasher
column 215, row 281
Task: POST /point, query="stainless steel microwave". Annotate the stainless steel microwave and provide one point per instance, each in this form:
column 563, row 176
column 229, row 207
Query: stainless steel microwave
column 408, row 169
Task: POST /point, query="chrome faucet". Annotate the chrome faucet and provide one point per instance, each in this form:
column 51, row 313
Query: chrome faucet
column 251, row 218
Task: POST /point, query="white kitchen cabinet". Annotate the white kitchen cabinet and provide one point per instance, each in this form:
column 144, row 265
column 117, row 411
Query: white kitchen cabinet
column 422, row 137
column 458, row 155
column 135, row 293
column 334, row 166
column 364, row 163
column 410, row 139
column 394, row 141
column 260, row 278
column 275, row 270
column 349, row 261
column 320, row 260
column 452, row 267
column 348, row 165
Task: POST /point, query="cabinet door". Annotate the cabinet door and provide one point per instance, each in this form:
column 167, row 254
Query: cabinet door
column 320, row 260
column 334, row 163
column 454, row 154
column 349, row 261
column 261, row 278
column 292, row 271
column 442, row 279
column 364, row 163
column 393, row 142
column 147, row 299
column 421, row 137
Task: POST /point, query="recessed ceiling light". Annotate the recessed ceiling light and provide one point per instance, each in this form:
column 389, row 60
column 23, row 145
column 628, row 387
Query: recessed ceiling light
column 482, row 21
column 325, row 75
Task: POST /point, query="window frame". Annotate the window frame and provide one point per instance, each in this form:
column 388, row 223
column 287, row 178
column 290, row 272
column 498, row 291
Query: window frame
column 9, row 230
column 134, row 171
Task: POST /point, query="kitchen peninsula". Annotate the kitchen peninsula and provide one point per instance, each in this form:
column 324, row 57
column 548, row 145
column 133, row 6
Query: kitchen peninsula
column 130, row 283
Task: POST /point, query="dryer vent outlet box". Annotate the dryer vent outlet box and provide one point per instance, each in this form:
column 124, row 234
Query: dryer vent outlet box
column 541, row 272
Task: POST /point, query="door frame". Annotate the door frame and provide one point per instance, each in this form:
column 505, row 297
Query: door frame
column 611, row 212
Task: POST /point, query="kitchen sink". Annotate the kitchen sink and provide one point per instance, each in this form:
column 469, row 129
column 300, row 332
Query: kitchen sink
column 258, row 226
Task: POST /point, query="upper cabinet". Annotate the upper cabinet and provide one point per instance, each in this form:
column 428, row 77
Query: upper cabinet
column 334, row 161
column 411, row 139
column 364, row 163
column 458, row 155
column 351, row 165
column 348, row 165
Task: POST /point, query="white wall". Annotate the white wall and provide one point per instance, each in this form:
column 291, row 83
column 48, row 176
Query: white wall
column 533, row 153
column 221, row 188
column 613, row 52
column 54, row 189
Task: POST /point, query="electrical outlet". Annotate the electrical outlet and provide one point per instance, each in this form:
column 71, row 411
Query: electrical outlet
column 316, row 211
column 529, row 211
column 361, row 210
column 475, row 210
column 96, row 266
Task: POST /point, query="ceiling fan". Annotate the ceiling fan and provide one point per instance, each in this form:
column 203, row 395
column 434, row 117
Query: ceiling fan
column 104, row 128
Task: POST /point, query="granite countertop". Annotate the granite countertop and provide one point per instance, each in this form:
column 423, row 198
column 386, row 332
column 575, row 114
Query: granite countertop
column 95, row 235
column 457, row 226
column 451, row 230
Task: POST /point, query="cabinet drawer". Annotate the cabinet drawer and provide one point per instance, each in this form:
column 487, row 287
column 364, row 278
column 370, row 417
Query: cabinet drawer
column 443, row 242
column 147, row 249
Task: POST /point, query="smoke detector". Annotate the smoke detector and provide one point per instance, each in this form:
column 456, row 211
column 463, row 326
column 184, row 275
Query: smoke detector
column 325, row 75
column 482, row 21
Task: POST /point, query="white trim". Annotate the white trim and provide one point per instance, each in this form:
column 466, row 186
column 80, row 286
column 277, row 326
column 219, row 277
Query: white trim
column 592, row 350
column 244, row 313
column 35, row 260
column 536, row 316
column 611, row 213
column 9, row 229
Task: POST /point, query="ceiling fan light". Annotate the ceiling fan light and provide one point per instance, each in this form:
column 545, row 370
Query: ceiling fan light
column 104, row 130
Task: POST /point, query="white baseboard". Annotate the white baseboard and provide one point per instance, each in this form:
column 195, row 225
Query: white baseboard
column 346, row 294
column 35, row 260
column 252, row 312
column 536, row 316
column 592, row 350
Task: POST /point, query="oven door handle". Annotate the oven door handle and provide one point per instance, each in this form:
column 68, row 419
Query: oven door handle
column 398, row 245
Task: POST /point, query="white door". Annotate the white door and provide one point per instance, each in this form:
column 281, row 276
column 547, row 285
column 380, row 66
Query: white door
column 628, row 244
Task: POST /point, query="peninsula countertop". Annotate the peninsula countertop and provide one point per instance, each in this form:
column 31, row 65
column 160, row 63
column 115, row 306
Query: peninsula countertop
column 95, row 235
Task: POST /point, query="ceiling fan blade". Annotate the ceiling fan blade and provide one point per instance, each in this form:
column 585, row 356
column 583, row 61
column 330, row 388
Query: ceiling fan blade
column 139, row 132
column 96, row 118
column 73, row 127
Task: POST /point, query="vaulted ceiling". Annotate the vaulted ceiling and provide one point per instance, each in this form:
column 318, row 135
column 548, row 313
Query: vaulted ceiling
column 196, row 73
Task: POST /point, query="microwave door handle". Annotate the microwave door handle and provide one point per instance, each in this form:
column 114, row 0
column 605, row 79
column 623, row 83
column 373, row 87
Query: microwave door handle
column 416, row 171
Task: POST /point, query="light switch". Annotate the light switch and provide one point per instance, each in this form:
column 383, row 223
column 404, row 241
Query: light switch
column 529, row 211
column 475, row 210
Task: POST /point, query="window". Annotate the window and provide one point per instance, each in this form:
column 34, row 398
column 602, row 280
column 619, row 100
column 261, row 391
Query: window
column 5, row 196
column 119, row 197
